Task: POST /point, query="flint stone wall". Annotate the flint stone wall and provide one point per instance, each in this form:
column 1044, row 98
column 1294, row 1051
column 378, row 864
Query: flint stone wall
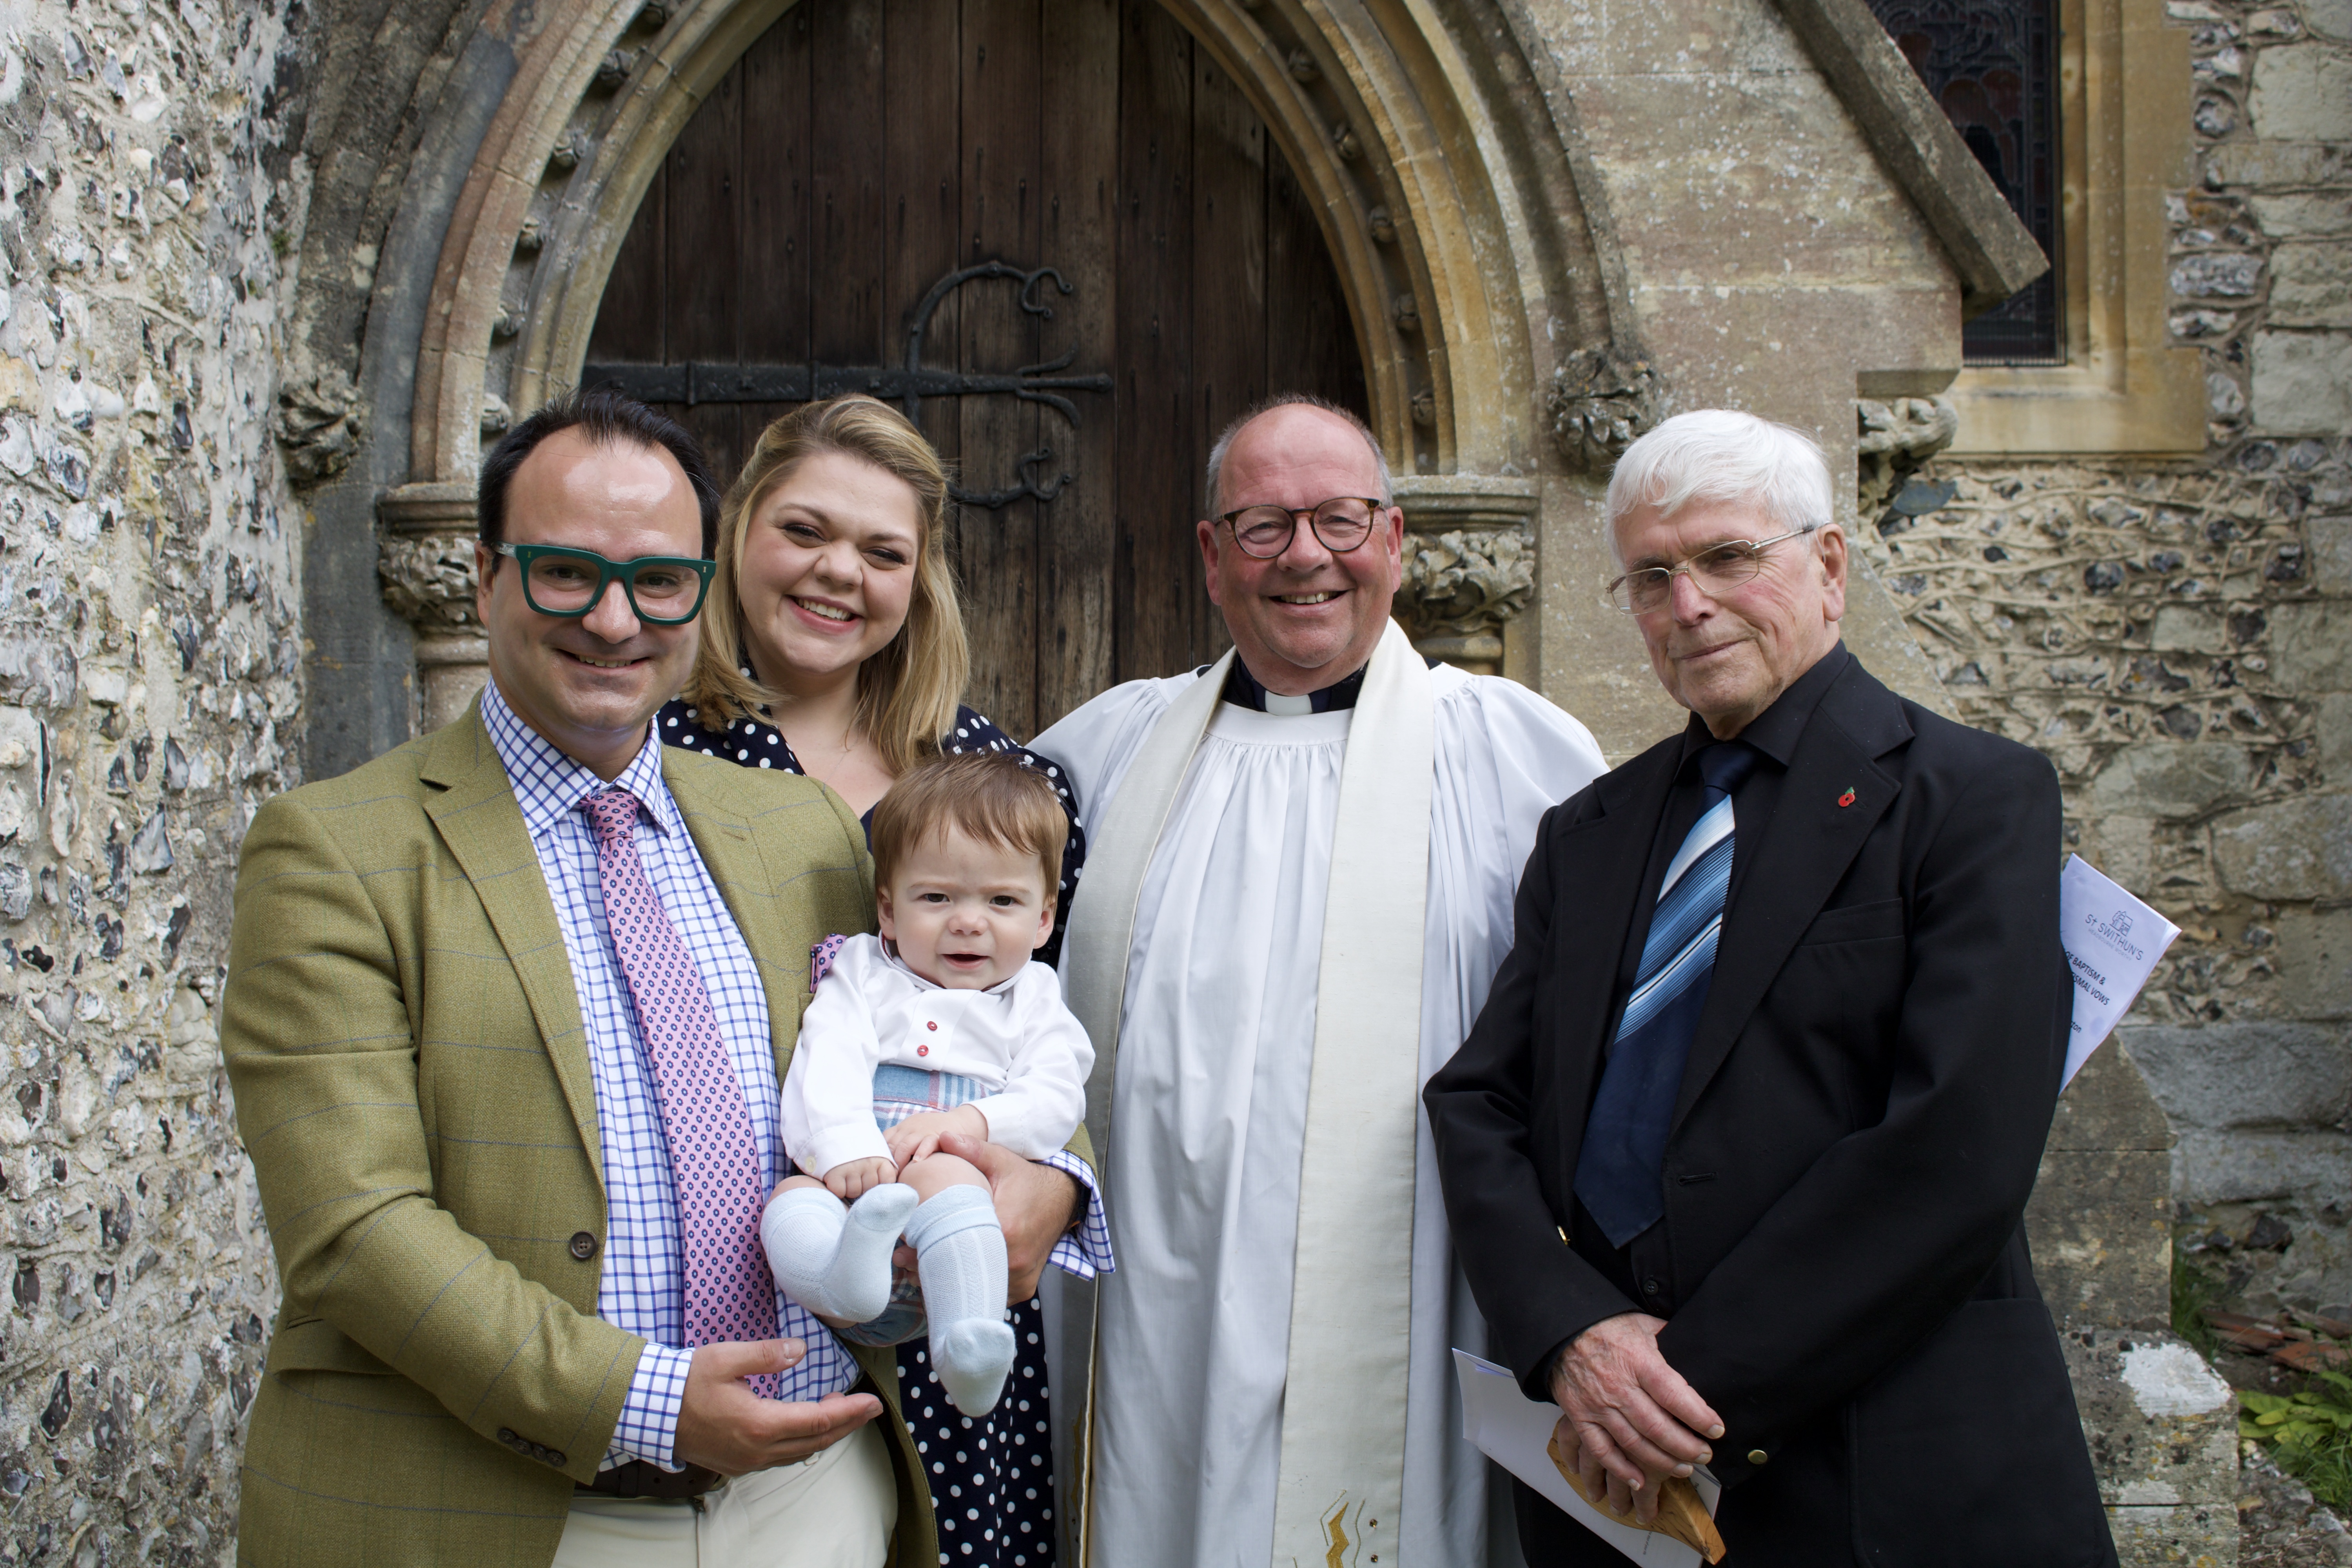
column 150, row 697
column 2177, row 638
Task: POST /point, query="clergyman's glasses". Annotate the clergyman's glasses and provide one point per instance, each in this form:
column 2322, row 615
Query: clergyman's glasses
column 1716, row 571
column 559, row 581
column 1341, row 524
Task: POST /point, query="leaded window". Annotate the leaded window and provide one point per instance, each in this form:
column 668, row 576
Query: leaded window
column 1993, row 67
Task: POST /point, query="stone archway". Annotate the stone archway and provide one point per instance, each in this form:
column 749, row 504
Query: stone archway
column 1487, row 305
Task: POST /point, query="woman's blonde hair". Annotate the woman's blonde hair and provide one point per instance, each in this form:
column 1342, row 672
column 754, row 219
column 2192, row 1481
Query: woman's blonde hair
column 907, row 691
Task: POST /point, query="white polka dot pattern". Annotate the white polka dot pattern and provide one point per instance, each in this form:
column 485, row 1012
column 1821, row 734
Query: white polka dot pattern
column 729, row 1294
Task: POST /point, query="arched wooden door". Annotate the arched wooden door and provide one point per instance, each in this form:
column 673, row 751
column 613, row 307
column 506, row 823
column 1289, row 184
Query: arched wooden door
column 861, row 153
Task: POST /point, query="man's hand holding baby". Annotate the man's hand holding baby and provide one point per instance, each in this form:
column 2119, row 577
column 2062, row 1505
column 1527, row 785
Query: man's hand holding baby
column 918, row 1136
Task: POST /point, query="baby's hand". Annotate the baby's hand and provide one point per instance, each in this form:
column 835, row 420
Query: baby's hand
column 853, row 1179
column 918, row 1136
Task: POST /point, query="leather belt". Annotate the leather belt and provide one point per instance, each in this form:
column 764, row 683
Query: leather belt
column 639, row 1479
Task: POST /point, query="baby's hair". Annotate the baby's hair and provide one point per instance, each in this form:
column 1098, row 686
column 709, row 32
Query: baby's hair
column 988, row 795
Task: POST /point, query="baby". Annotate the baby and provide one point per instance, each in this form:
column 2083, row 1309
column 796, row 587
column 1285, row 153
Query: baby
column 940, row 1025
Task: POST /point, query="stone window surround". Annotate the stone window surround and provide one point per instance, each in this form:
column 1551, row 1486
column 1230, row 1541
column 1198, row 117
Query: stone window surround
column 2125, row 388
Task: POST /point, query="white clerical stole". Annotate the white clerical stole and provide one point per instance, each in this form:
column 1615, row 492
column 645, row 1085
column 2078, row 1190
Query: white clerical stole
column 1339, row 1493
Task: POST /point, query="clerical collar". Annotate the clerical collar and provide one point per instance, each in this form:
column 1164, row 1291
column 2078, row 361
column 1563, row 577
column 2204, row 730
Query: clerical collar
column 1243, row 690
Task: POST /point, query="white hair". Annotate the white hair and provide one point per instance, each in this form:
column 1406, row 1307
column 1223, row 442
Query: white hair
column 1294, row 400
column 1722, row 455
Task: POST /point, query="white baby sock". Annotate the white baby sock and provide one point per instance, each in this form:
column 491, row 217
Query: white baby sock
column 962, row 1250
column 831, row 1259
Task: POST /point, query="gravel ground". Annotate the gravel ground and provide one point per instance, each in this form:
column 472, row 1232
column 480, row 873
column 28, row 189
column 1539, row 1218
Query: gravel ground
column 2279, row 1525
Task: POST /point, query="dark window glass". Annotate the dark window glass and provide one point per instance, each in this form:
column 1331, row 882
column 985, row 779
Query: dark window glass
column 1993, row 65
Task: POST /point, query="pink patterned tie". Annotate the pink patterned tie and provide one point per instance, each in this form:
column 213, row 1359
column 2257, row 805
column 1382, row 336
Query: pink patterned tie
column 714, row 1161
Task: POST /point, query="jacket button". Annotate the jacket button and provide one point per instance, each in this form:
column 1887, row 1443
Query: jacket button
column 506, row 1435
column 555, row 1457
column 1650, row 1286
column 1756, row 1455
column 584, row 1246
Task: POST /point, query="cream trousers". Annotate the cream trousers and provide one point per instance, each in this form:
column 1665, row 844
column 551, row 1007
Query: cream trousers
column 835, row 1512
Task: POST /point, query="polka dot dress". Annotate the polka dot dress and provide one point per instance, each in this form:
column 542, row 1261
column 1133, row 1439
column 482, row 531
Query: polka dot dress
column 992, row 1479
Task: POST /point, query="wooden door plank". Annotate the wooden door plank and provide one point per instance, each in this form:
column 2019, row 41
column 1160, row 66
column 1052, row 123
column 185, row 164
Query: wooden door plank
column 847, row 314
column 1158, row 566
column 628, row 328
column 703, row 238
column 774, row 163
column 1315, row 348
column 1229, row 316
column 922, row 186
column 1077, row 202
column 997, row 546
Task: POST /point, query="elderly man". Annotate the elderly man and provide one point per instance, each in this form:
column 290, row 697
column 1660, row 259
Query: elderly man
column 507, row 1015
column 1773, row 1055
column 1300, row 883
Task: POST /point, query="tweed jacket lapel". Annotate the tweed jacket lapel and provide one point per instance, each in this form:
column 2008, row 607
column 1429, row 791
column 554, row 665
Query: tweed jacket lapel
column 708, row 799
column 1834, row 794
column 479, row 821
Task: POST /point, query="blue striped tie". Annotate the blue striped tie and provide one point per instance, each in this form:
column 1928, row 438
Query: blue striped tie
column 1617, row 1173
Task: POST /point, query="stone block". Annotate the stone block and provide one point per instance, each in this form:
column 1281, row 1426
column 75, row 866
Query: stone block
column 2301, row 93
column 2331, row 552
column 2314, row 954
column 2311, row 643
column 2250, row 1164
column 2246, row 1075
column 2311, row 285
column 2336, row 738
column 2302, row 381
column 2290, row 216
column 2098, row 1227
column 2162, row 779
column 2278, row 163
column 2329, row 18
column 2109, row 1105
column 2188, row 628
column 2288, row 850
column 2163, row 1431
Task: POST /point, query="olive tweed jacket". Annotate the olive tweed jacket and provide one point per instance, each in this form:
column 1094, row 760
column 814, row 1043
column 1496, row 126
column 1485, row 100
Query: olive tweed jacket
column 412, row 1081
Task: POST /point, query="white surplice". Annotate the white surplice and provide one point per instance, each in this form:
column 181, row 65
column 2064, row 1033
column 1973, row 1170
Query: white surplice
column 1202, row 1177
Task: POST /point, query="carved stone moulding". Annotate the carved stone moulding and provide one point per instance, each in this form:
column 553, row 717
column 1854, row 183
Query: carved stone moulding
column 1600, row 400
column 1892, row 440
column 1469, row 562
column 425, row 558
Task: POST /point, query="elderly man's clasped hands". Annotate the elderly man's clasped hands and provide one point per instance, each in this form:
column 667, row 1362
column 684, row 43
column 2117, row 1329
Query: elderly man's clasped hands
column 1628, row 1420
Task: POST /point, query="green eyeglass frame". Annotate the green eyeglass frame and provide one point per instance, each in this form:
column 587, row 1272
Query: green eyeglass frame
column 624, row 572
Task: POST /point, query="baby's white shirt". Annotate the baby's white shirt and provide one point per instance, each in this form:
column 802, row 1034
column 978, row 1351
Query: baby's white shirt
column 1026, row 1051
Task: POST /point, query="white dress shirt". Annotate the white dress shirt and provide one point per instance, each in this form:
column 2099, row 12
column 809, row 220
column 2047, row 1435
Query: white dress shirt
column 1026, row 1052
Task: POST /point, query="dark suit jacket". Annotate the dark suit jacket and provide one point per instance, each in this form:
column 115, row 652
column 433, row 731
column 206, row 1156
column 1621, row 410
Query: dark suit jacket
column 1863, row 1110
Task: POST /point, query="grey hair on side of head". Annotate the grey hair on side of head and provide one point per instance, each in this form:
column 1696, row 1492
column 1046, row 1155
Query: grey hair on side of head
column 1293, row 400
column 1724, row 455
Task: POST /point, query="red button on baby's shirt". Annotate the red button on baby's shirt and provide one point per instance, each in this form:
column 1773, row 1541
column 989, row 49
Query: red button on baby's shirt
column 932, row 1025
column 922, row 1050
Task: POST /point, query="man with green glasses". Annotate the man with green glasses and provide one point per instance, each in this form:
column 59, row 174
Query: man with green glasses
column 507, row 1013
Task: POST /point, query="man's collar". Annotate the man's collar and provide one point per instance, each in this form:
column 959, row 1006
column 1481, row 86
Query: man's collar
column 1775, row 731
column 550, row 786
column 1244, row 690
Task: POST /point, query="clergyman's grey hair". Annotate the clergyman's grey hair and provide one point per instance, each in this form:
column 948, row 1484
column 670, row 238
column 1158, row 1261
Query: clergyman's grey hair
column 1723, row 454
column 1289, row 400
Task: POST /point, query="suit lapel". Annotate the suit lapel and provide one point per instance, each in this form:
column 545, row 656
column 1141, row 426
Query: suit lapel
column 1801, row 853
column 480, row 822
column 739, row 869
column 1599, row 868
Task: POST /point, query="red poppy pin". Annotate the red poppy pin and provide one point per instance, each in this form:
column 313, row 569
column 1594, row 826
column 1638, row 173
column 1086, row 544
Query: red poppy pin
column 1847, row 798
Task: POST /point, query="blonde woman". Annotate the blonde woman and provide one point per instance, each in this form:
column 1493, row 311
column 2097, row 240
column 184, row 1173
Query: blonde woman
column 833, row 645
